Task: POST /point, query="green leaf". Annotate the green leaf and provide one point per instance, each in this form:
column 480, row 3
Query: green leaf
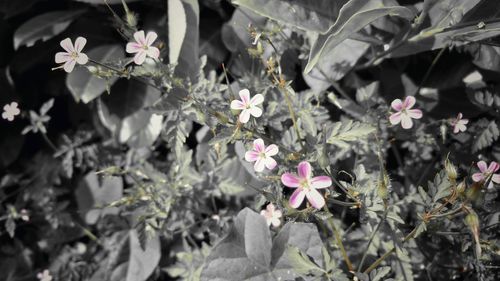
column 486, row 137
column 314, row 15
column 85, row 86
column 354, row 15
column 301, row 262
column 379, row 273
column 93, row 194
column 44, row 27
column 342, row 132
column 141, row 262
column 177, row 26
column 176, row 133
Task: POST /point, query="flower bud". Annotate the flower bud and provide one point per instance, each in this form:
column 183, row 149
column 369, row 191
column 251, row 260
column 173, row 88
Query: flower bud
column 451, row 170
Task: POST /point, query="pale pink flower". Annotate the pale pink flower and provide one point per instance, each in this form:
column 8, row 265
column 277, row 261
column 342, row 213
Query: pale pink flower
column 404, row 112
column 247, row 106
column 10, row 111
column 486, row 172
column 261, row 155
column 44, row 276
column 73, row 54
column 272, row 215
column 306, row 186
column 24, row 215
column 142, row 46
column 458, row 124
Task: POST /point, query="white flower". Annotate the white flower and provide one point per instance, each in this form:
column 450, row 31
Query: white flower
column 10, row 111
column 272, row 215
column 142, row 47
column 247, row 106
column 73, row 54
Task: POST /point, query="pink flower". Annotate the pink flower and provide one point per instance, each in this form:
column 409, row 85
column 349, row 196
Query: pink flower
column 306, row 186
column 44, row 276
column 247, row 106
column 261, row 155
column 404, row 112
column 10, row 111
column 272, row 215
column 459, row 124
column 24, row 215
column 486, row 172
column 142, row 47
column 73, row 53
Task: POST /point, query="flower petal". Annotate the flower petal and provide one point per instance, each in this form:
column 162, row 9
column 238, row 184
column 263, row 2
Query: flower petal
column 245, row 96
column 493, row 167
column 140, row 57
column 477, row 177
column 270, row 207
column 406, row 121
column 259, row 165
column 237, row 105
column 270, row 163
column 495, row 178
column 315, row 198
column 297, row 198
column 304, row 169
column 272, row 150
column 409, row 102
column 82, row 58
column 133, row 48
column 290, row 180
column 153, row 52
column 67, row 45
column 257, row 99
column 397, row 105
column 275, row 222
column 69, row 65
column 278, row 214
column 150, row 38
column 62, row 57
column 80, row 43
column 483, row 167
column 140, row 38
column 258, row 145
column 251, row 156
column 321, row 182
column 255, row 111
column 395, row 118
column 415, row 113
column 459, row 116
column 244, row 116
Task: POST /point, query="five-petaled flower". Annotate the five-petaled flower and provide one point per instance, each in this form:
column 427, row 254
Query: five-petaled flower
column 272, row 215
column 261, row 155
column 10, row 111
column 142, row 46
column 486, row 172
column 44, row 276
column 306, row 186
column 247, row 106
column 73, row 54
column 404, row 112
column 458, row 124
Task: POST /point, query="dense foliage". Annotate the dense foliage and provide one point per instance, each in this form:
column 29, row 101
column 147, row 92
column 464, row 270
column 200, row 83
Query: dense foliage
column 249, row 140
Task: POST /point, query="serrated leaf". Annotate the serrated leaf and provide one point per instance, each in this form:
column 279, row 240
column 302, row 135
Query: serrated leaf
column 486, row 137
column 85, row 86
column 342, row 132
column 300, row 262
column 314, row 15
column 353, row 16
column 379, row 273
column 43, row 27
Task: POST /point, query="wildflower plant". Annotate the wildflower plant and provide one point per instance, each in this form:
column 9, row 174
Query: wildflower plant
column 257, row 140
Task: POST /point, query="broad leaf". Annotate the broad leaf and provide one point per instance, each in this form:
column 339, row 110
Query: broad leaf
column 44, row 27
column 353, row 16
column 93, row 195
column 177, row 26
column 85, row 86
column 142, row 262
column 316, row 15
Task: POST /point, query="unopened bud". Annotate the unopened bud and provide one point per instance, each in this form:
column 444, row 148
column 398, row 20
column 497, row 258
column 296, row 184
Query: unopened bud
column 451, row 170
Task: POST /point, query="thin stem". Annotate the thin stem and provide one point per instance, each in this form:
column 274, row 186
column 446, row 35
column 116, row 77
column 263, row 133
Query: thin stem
column 433, row 64
column 48, row 141
column 370, row 241
column 339, row 241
